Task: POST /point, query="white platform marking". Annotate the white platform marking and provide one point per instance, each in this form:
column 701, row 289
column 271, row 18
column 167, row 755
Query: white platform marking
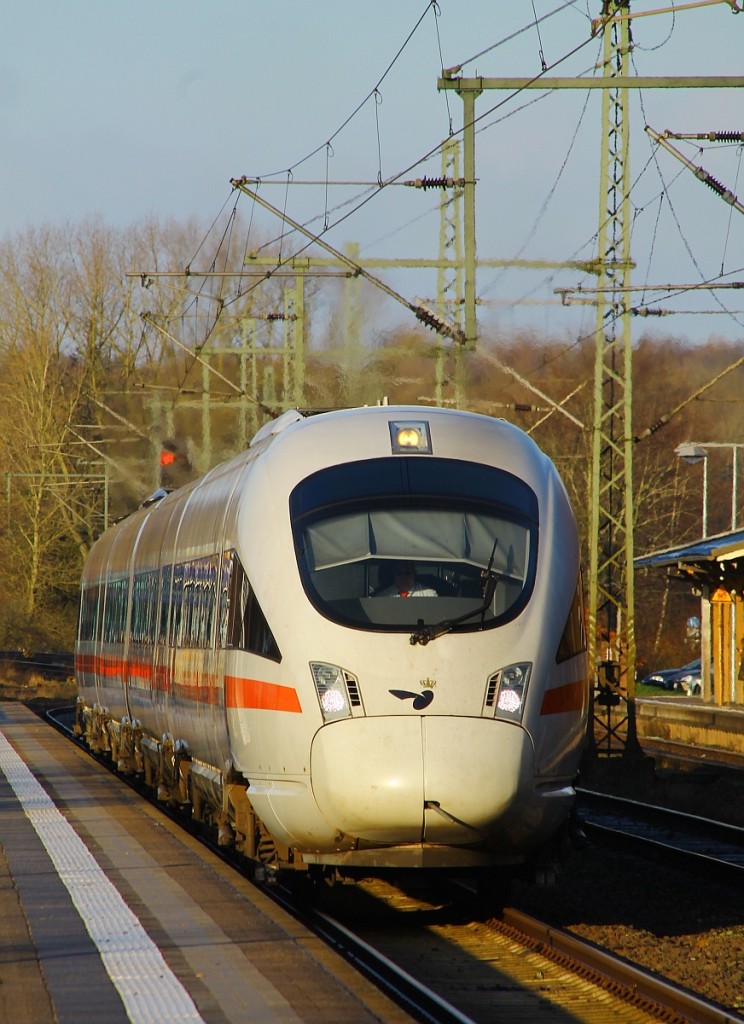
column 150, row 991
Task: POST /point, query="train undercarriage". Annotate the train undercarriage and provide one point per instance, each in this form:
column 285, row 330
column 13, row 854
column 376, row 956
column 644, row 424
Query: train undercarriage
column 219, row 805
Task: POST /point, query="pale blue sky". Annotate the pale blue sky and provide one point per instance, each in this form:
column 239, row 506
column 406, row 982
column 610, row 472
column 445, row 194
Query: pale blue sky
column 129, row 109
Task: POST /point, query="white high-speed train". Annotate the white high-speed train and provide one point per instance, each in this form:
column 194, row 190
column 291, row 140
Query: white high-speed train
column 245, row 644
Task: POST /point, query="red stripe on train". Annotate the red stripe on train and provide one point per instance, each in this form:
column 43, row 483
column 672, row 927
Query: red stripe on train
column 570, row 697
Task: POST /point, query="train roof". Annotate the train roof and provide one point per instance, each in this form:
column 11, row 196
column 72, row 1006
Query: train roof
column 296, row 445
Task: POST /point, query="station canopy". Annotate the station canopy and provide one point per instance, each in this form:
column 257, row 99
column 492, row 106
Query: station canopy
column 714, row 561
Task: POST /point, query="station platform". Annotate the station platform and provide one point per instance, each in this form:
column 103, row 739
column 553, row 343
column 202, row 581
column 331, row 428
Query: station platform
column 707, row 731
column 109, row 913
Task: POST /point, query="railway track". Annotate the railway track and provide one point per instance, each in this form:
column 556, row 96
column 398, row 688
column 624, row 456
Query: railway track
column 448, row 960
column 51, row 665
column 510, row 966
column 691, row 841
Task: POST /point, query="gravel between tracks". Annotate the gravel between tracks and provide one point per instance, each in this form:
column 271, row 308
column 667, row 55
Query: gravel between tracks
column 646, row 911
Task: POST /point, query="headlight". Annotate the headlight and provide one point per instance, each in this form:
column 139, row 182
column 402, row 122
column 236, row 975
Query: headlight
column 337, row 690
column 507, row 690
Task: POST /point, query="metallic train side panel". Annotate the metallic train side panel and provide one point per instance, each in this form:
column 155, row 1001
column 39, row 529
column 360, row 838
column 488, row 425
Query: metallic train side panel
column 144, row 692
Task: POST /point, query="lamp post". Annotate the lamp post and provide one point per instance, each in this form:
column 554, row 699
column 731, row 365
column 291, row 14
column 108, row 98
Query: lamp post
column 692, row 452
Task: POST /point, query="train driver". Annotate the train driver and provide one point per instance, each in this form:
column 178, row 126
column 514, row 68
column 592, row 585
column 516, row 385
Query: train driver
column 405, row 583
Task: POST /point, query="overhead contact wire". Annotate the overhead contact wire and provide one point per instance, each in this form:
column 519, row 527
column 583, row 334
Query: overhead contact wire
column 519, row 32
column 359, row 205
column 371, row 93
column 688, row 247
column 435, row 149
column 437, row 15
column 731, row 212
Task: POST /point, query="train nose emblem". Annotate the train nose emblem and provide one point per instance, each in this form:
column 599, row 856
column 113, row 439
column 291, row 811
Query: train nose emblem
column 420, row 700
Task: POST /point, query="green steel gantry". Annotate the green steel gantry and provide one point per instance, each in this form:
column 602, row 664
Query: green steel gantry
column 611, row 626
column 611, row 599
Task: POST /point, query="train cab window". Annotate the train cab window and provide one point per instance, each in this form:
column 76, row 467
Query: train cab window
column 465, row 534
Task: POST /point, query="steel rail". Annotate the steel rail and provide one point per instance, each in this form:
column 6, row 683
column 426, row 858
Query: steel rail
column 694, row 843
column 645, row 985
column 623, row 979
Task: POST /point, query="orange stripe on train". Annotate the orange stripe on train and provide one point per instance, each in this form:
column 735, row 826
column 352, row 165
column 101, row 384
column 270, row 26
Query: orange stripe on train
column 570, row 697
column 239, row 692
column 254, row 693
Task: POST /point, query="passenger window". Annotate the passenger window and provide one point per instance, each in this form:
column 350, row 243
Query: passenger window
column 244, row 624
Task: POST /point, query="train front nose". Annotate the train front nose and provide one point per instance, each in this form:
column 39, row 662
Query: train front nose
column 416, row 779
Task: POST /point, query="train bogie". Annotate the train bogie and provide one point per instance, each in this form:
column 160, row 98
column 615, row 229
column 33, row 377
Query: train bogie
column 358, row 645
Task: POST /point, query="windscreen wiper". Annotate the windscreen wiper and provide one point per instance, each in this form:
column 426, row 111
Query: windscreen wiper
column 490, row 579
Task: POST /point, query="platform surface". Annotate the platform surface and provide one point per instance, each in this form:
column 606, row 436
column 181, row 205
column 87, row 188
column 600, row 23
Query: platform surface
column 109, row 913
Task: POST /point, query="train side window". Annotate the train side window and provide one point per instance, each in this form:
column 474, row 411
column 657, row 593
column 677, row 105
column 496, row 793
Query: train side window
column 259, row 638
column 198, row 603
column 245, row 625
column 144, row 597
column 135, row 628
column 188, row 602
column 208, row 600
column 573, row 640
column 84, row 616
column 226, row 597
column 165, row 589
column 176, row 604
column 89, row 612
column 115, row 610
column 183, row 629
column 238, row 590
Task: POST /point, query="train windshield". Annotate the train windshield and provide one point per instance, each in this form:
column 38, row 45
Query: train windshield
column 408, row 543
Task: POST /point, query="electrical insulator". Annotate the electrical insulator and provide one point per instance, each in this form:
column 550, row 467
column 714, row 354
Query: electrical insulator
column 716, row 185
column 726, row 136
column 425, row 183
column 437, row 323
column 649, row 311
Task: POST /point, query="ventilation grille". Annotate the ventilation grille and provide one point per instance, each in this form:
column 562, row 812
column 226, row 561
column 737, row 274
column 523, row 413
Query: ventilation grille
column 491, row 691
column 352, row 685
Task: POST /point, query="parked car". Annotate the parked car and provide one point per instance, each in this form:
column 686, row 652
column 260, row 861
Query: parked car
column 687, row 678
column 660, row 678
column 691, row 682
